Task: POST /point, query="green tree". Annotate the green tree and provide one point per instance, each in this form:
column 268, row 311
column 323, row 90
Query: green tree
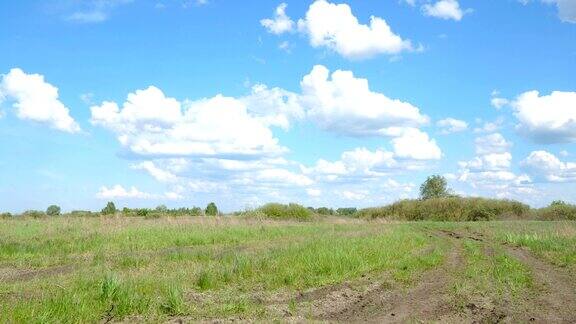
column 434, row 187
column 211, row 209
column 109, row 209
column 53, row 210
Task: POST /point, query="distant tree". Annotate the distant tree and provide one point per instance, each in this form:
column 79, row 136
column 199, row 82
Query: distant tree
column 162, row 209
column 434, row 187
column 346, row 211
column 109, row 209
column 53, row 210
column 211, row 209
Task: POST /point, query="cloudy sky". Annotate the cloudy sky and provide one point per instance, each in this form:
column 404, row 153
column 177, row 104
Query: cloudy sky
column 324, row 103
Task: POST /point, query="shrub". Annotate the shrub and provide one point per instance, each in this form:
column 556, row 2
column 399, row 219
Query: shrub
column 434, row 187
column 324, row 211
column 290, row 211
column 33, row 214
column 5, row 215
column 350, row 211
column 211, row 209
column 53, row 210
column 82, row 213
column 449, row 209
column 110, row 209
column 558, row 210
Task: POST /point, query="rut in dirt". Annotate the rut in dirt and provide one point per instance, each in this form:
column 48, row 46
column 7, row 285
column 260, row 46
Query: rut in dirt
column 429, row 299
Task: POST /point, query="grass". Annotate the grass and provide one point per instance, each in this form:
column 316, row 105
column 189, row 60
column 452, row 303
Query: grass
column 62, row 270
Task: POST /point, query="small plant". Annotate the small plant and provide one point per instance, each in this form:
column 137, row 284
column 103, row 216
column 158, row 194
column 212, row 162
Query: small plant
column 174, row 302
column 53, row 210
column 110, row 209
column 211, row 209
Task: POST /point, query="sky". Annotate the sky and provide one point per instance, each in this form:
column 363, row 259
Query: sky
column 324, row 103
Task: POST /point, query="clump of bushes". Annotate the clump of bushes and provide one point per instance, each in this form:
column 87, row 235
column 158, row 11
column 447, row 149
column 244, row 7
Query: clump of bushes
column 281, row 211
column 5, row 215
column 449, row 209
column 161, row 211
column 348, row 211
column 33, row 214
column 558, row 210
column 53, row 210
column 211, row 210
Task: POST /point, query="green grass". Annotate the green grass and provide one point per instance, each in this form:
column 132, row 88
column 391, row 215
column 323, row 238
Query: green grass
column 72, row 270
column 198, row 268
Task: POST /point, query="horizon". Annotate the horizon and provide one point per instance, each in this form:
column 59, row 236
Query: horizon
column 323, row 103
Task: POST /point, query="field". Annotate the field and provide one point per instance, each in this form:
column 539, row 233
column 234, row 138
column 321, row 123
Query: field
column 113, row 269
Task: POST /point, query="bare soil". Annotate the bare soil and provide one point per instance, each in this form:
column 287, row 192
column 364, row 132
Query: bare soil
column 378, row 299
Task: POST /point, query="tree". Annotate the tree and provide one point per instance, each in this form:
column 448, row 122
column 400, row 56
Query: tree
column 109, row 209
column 434, row 187
column 211, row 209
column 53, row 210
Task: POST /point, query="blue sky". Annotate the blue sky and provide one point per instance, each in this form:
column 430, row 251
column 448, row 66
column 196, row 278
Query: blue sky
column 328, row 103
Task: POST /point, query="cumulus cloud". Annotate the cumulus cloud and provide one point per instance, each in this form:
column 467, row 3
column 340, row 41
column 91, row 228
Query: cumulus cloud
column 451, row 125
column 545, row 166
column 491, row 168
column 415, row 144
column 157, row 173
column 280, row 23
column 345, row 104
column 151, row 124
column 444, row 9
column 548, row 118
column 493, row 143
column 314, row 192
column 119, row 192
column 37, row 100
column 335, row 27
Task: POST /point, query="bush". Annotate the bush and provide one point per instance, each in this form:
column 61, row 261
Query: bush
column 558, row 210
column 82, row 213
column 5, row 215
column 290, row 211
column 110, row 209
column 211, row 209
column 324, row 211
column 33, row 214
column 449, row 209
column 53, row 210
column 350, row 211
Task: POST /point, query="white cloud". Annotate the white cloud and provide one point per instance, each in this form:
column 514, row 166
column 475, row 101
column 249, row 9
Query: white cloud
column 335, row 27
column 451, row 125
column 490, row 169
column 566, row 9
column 282, row 176
column 417, row 145
column 493, row 143
column 95, row 11
column 36, row 100
column 489, row 127
column 354, row 195
column 280, row 23
column 545, row 166
column 314, row 192
column 119, row 192
column 444, row 9
column 345, row 104
column 547, row 119
column 498, row 103
column 157, row 173
column 274, row 107
column 151, row 124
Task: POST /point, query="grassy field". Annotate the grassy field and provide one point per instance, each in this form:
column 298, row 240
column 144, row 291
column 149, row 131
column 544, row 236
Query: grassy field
column 106, row 269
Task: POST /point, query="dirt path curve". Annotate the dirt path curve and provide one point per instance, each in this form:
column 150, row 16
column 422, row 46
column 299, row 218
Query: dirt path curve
column 428, row 300
column 555, row 297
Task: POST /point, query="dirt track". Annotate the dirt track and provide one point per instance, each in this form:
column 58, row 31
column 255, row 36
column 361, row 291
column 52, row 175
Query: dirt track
column 378, row 300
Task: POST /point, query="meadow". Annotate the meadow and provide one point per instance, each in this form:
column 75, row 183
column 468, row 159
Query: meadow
column 124, row 269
